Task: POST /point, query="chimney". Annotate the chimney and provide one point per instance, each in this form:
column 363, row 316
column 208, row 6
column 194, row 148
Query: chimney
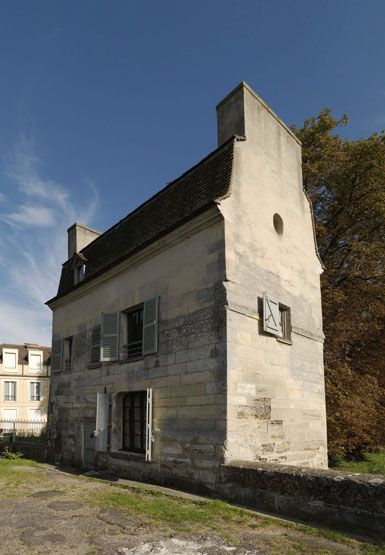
column 79, row 236
column 231, row 115
column 241, row 113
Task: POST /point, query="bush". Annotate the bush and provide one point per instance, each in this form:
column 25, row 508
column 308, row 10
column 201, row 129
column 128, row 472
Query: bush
column 9, row 455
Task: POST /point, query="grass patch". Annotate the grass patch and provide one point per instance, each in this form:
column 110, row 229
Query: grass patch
column 166, row 509
column 12, row 481
column 372, row 463
column 160, row 508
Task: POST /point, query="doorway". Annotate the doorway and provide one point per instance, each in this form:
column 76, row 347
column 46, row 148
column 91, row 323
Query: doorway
column 89, row 442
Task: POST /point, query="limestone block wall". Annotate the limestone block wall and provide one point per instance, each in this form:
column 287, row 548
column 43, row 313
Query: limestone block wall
column 353, row 502
column 187, row 374
column 276, row 400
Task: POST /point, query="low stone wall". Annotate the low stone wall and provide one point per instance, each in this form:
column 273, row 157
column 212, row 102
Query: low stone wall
column 354, row 502
column 35, row 451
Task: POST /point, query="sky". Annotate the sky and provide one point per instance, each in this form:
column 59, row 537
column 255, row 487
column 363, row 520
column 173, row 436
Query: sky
column 102, row 103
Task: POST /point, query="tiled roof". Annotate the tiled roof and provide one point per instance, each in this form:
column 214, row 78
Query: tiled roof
column 190, row 194
column 23, row 351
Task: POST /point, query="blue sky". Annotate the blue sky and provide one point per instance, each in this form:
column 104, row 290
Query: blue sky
column 103, row 103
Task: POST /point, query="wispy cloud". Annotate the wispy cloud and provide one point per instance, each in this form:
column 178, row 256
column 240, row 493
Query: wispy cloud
column 31, row 215
column 33, row 243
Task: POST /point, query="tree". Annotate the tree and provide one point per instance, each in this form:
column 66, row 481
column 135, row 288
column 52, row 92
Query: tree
column 346, row 181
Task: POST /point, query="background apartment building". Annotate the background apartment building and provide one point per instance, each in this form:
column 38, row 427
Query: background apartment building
column 24, row 381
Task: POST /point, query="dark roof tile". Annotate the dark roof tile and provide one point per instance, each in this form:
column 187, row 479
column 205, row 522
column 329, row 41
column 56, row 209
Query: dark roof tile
column 23, row 351
column 193, row 192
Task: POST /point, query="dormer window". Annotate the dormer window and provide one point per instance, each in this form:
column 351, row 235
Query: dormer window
column 80, row 272
column 79, row 267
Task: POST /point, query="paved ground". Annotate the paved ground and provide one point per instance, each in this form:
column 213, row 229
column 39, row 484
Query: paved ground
column 44, row 510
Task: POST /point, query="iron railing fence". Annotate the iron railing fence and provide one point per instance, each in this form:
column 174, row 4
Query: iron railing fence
column 25, row 431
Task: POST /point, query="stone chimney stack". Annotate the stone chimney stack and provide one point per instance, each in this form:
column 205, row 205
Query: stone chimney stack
column 79, row 236
column 242, row 112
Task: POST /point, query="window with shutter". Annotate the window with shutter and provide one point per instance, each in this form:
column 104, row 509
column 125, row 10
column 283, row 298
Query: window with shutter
column 134, row 421
column 95, row 345
column 271, row 316
column 110, row 336
column 134, row 332
column 56, row 356
column 150, row 326
column 285, row 323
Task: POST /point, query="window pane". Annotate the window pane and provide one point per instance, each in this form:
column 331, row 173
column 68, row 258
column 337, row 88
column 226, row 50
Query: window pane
column 9, row 391
column 35, row 391
column 10, row 360
column 134, row 332
column 10, row 414
column 35, row 362
column 134, row 421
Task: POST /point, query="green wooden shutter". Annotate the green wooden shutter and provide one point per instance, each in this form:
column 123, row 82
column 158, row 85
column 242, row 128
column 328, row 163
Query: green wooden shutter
column 271, row 316
column 150, row 326
column 95, row 345
column 56, row 355
column 110, row 336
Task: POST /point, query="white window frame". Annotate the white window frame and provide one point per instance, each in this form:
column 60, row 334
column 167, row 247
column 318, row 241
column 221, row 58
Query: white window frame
column 9, row 419
column 34, row 418
column 33, row 353
column 4, row 393
column 30, row 393
column 11, row 352
column 79, row 272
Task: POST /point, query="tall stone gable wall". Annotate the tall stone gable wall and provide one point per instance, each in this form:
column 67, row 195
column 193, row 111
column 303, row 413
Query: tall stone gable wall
column 188, row 373
column 276, row 399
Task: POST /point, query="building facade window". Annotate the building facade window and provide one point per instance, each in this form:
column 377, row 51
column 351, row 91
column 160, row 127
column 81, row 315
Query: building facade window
column 35, row 414
column 10, row 415
column 68, row 341
column 34, row 391
column 134, row 421
column 285, row 323
column 9, row 391
column 134, row 344
column 34, row 361
column 10, row 360
column 94, row 354
column 79, row 273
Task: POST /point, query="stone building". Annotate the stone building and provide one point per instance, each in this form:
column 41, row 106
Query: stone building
column 189, row 334
column 24, row 382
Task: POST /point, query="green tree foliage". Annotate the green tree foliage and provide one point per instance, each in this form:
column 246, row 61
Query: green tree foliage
column 346, row 181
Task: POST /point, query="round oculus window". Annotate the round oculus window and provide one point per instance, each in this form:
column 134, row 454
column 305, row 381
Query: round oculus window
column 278, row 224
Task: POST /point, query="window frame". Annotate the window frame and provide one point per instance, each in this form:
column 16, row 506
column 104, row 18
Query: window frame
column 95, row 345
column 67, row 353
column 32, row 353
column 130, row 422
column 15, row 352
column 285, row 324
column 7, row 419
column 7, row 397
column 33, row 398
column 138, row 344
column 79, row 273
